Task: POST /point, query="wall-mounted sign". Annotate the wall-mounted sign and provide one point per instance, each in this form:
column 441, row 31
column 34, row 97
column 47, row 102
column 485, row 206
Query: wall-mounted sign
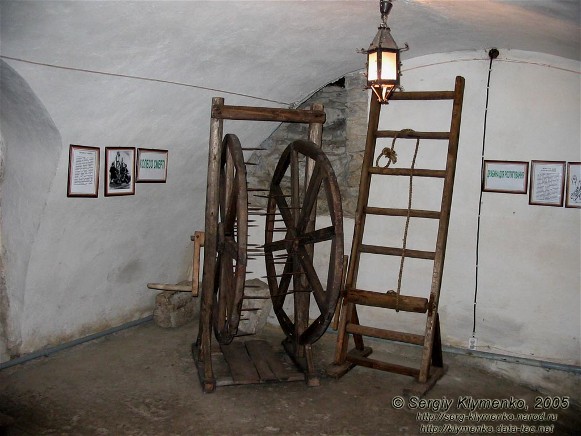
column 505, row 176
column 573, row 198
column 83, row 171
column 119, row 171
column 547, row 183
column 151, row 165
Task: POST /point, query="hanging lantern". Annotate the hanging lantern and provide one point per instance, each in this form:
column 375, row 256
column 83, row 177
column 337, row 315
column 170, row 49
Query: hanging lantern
column 383, row 64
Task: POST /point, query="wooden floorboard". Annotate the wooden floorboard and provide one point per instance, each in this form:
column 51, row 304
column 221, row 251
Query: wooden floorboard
column 241, row 366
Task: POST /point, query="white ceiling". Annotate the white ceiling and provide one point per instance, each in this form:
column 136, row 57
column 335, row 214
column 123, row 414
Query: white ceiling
column 280, row 50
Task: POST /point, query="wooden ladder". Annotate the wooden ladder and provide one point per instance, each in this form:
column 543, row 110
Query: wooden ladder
column 431, row 366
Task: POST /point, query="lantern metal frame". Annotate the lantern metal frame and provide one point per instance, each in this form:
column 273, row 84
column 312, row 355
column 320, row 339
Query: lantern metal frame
column 381, row 49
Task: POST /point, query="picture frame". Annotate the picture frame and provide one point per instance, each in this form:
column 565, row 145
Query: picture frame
column 547, row 183
column 505, row 176
column 119, row 171
column 151, row 166
column 573, row 192
column 83, row 174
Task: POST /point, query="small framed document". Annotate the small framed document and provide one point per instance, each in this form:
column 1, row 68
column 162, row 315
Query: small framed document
column 151, row 165
column 119, row 171
column 547, row 183
column 83, row 178
column 505, row 176
column 573, row 198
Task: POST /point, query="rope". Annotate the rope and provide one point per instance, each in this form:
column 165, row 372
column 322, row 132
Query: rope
column 391, row 155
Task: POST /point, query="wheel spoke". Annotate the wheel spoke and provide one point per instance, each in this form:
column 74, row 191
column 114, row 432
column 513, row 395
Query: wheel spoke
column 310, row 198
column 280, row 293
column 283, row 207
column 270, row 247
column 324, row 234
column 231, row 209
column 312, row 278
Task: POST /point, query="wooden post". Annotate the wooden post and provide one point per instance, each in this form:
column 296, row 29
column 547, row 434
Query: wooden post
column 442, row 230
column 210, row 248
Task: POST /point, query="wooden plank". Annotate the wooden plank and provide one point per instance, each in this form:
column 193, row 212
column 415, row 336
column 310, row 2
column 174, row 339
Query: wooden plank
column 276, row 364
column 393, row 251
column 389, row 301
column 416, row 172
column 420, row 135
column 357, row 359
column 414, row 213
column 251, row 113
column 423, row 95
column 390, row 335
column 241, row 365
column 261, row 353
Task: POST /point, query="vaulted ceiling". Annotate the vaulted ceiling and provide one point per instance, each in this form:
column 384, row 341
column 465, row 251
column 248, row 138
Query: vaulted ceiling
column 278, row 50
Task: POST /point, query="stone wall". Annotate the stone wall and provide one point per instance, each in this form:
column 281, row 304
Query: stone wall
column 344, row 132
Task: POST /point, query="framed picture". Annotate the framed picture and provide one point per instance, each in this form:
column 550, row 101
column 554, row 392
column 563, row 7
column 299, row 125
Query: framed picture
column 547, row 183
column 505, row 176
column 83, row 180
column 119, row 171
column 573, row 198
column 151, row 165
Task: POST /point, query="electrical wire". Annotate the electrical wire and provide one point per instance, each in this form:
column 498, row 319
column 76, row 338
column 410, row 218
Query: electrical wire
column 493, row 54
column 148, row 79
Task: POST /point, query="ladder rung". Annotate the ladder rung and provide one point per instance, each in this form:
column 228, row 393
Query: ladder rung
column 420, row 135
column 414, row 213
column 390, row 335
column 392, row 251
column 419, row 172
column 389, row 301
column 383, row 366
column 423, row 95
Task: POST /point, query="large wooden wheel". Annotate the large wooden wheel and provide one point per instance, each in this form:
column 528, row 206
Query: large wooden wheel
column 292, row 240
column 232, row 241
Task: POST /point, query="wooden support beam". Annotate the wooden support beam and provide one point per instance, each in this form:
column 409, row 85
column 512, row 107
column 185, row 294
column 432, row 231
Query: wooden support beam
column 423, row 95
column 414, row 213
column 383, row 366
column 393, row 251
column 420, row 135
column 390, row 335
column 251, row 113
column 388, row 301
column 416, row 172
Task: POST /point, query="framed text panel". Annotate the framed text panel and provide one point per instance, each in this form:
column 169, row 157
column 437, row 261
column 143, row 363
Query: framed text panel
column 151, row 165
column 573, row 196
column 547, row 183
column 505, row 176
column 83, row 178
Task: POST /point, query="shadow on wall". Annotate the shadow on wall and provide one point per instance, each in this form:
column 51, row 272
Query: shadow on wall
column 31, row 148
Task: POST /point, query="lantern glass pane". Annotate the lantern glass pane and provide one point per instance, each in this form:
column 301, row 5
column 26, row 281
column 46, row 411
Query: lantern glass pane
column 372, row 66
column 388, row 65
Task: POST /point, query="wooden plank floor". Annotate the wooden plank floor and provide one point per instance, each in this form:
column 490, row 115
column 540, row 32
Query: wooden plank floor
column 252, row 362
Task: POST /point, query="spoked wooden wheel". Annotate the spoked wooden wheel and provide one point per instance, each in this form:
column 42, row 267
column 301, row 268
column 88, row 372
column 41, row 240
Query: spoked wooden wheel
column 232, row 241
column 292, row 241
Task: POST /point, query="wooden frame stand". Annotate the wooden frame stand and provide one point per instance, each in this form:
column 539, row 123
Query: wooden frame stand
column 431, row 367
column 251, row 361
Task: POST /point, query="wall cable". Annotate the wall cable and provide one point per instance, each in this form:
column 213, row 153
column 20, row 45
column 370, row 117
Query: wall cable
column 492, row 54
column 148, row 79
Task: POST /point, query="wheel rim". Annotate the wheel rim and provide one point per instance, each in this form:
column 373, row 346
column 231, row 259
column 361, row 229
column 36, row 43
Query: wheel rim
column 291, row 244
column 232, row 241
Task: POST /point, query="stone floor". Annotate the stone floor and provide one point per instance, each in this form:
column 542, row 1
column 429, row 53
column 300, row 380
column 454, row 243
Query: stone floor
column 142, row 381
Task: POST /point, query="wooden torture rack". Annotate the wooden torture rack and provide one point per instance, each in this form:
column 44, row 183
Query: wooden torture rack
column 431, row 366
column 302, row 177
